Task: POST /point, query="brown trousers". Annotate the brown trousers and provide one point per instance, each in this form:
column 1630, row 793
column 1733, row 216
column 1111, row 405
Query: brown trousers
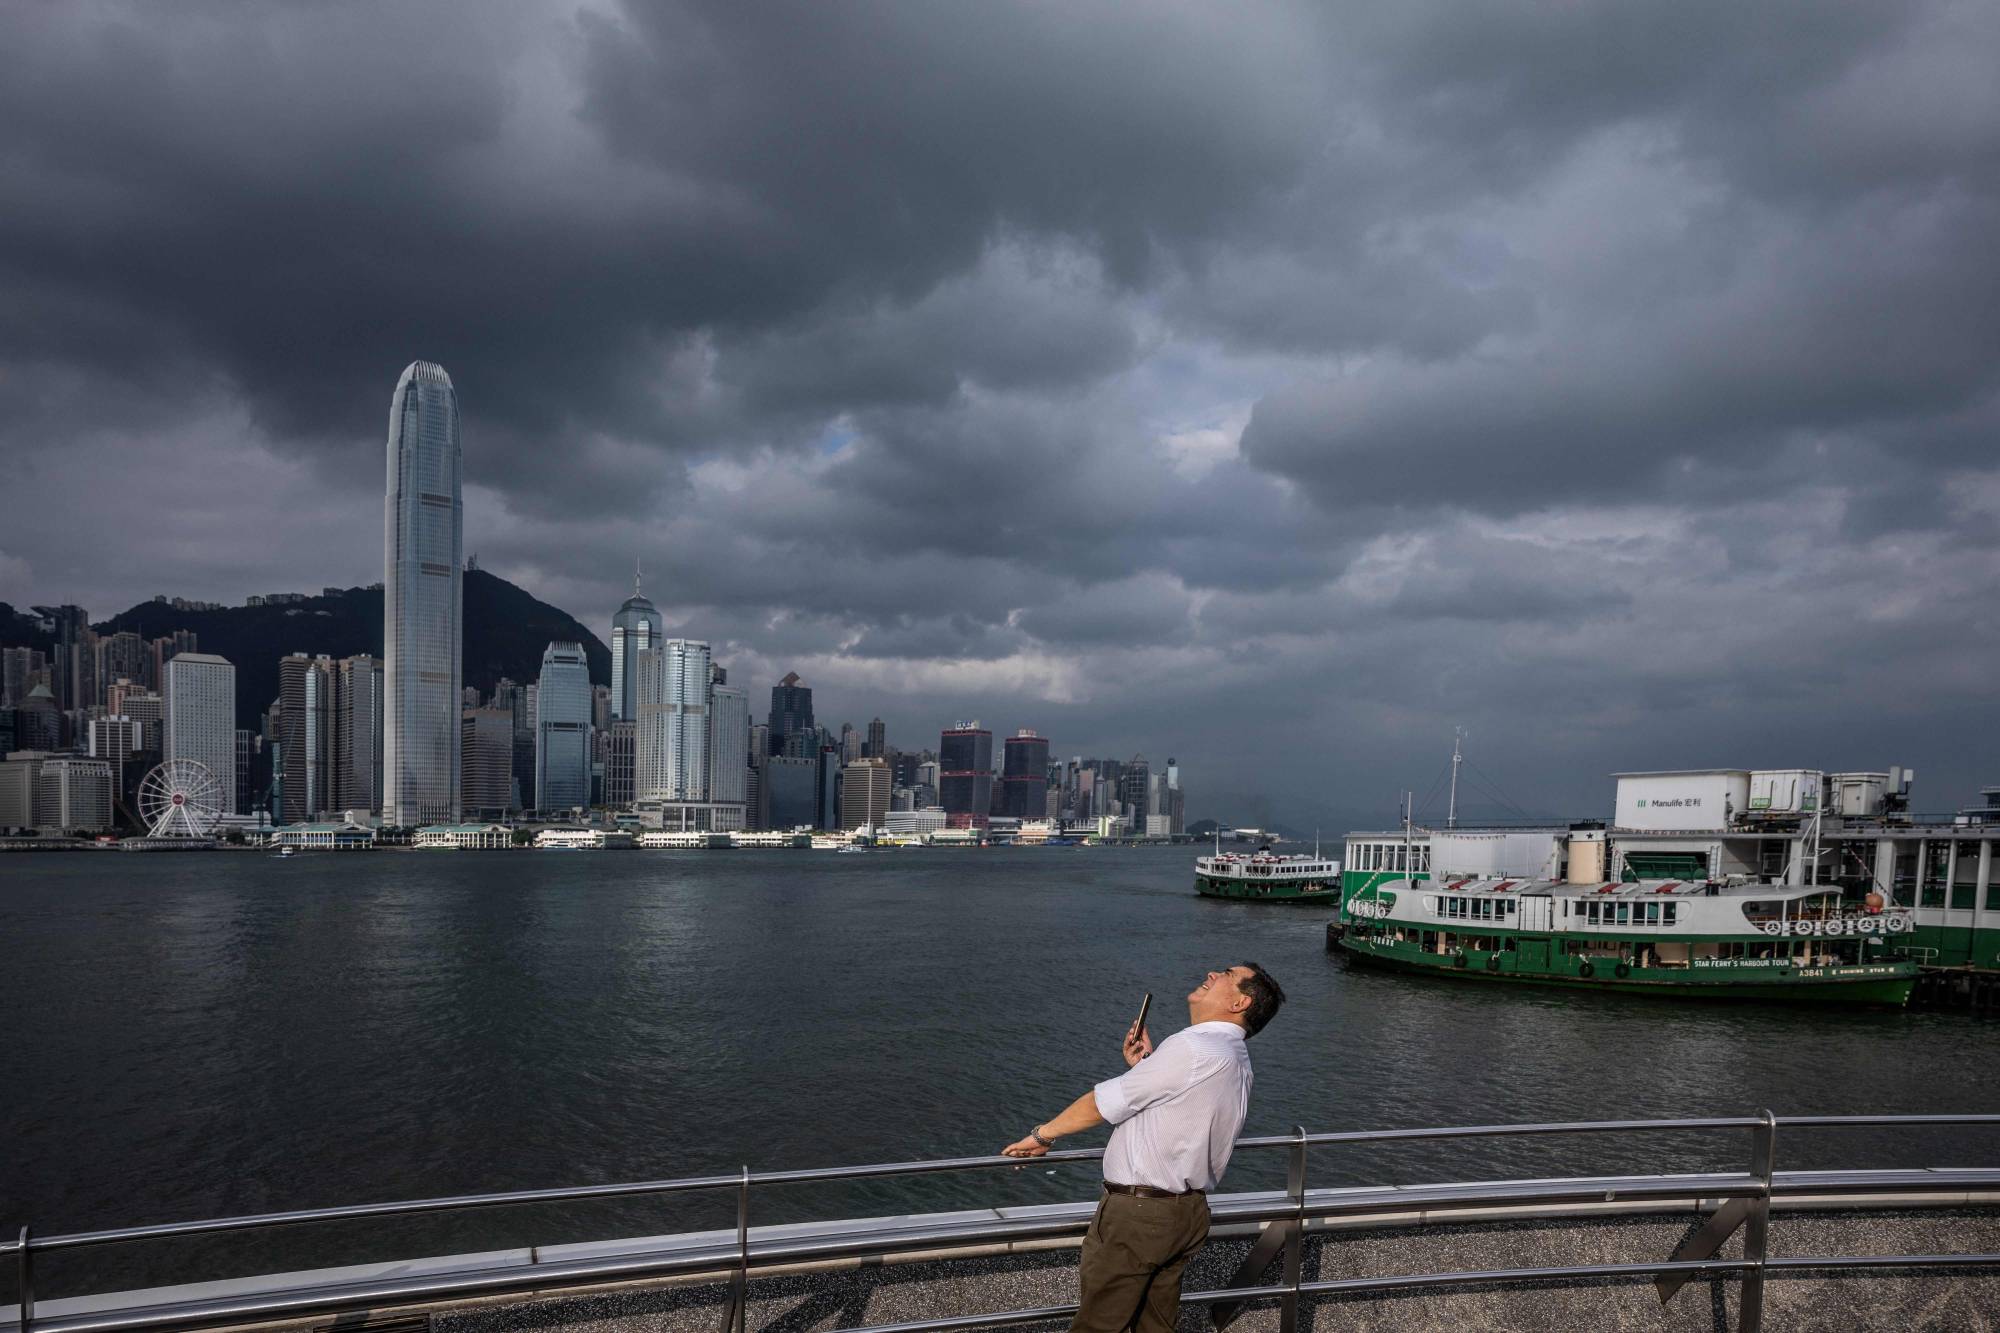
column 1133, row 1256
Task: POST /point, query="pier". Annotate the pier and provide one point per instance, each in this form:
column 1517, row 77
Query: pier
column 1866, row 1247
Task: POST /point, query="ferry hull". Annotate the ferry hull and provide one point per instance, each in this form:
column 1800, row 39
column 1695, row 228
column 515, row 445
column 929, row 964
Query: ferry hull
column 1877, row 985
column 1241, row 891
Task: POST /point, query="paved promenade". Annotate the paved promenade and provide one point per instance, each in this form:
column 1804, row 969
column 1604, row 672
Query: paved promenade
column 813, row 1302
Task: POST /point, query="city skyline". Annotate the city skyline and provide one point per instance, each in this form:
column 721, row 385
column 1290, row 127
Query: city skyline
column 1302, row 386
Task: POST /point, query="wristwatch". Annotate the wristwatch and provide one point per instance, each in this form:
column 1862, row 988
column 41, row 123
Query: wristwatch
column 1036, row 1135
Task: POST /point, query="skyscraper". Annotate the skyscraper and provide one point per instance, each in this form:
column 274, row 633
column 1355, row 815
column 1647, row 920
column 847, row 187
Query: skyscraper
column 305, row 737
column 562, row 729
column 728, row 744
column 671, row 763
column 965, row 774
column 792, row 715
column 634, row 630
column 422, row 556
column 1024, row 776
column 200, row 691
column 877, row 745
column 486, row 787
column 864, row 794
column 357, row 734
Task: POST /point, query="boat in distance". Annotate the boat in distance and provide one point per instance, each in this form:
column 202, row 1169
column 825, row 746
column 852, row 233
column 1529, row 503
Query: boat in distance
column 1690, row 940
column 1266, row 877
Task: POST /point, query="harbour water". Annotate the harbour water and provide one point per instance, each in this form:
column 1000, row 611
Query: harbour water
column 203, row 1035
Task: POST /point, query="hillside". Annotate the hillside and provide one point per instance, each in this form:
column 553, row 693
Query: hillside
column 506, row 630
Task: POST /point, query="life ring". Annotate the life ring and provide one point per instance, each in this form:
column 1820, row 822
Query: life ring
column 1458, row 961
column 1492, row 962
column 1623, row 970
column 1587, row 970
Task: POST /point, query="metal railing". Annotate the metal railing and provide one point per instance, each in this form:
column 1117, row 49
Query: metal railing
column 1746, row 1203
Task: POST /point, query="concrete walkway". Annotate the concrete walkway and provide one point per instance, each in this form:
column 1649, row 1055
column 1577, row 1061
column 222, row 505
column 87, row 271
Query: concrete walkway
column 878, row 1294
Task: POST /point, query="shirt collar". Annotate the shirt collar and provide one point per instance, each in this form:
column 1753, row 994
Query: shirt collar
column 1222, row 1024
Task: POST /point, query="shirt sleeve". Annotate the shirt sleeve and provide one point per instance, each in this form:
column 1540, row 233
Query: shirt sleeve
column 1167, row 1071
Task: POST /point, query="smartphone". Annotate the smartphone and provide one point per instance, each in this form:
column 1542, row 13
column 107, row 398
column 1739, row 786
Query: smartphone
column 1144, row 1005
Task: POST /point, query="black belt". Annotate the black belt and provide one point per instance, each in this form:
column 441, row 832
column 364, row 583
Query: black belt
column 1148, row 1192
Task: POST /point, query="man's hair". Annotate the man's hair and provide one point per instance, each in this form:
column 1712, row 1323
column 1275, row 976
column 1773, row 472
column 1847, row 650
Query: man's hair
column 1265, row 997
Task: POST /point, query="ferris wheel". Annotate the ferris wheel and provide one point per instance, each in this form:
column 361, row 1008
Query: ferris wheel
column 180, row 799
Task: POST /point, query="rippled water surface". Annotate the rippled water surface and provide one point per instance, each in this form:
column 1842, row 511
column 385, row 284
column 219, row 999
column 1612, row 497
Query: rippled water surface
column 193, row 1036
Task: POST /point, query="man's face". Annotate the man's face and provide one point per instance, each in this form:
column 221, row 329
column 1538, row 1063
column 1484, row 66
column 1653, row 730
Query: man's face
column 1219, row 995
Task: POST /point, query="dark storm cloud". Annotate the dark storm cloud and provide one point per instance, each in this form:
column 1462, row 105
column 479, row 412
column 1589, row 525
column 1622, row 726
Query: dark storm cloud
column 1260, row 385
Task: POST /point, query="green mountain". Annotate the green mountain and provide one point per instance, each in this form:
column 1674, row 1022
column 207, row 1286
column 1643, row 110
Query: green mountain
column 506, row 630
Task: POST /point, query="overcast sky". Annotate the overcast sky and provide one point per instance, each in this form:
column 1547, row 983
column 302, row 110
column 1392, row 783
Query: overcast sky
column 1273, row 387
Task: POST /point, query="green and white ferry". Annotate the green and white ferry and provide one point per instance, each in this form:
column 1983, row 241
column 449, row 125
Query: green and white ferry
column 1660, row 937
column 1766, row 868
column 1265, row 877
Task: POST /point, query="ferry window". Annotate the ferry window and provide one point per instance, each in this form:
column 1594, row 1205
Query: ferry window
column 1652, row 914
column 1624, row 914
column 1672, row 909
column 1590, row 913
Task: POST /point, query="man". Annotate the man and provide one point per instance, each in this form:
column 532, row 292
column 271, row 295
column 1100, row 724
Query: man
column 1177, row 1112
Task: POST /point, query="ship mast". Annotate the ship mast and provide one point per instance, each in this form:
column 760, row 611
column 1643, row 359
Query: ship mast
column 1457, row 758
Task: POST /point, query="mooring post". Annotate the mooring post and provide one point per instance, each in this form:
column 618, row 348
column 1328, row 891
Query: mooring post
column 1295, row 1243
column 1757, row 1226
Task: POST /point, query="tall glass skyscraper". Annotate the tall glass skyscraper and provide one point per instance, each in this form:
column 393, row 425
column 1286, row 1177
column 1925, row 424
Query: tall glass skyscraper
column 422, row 557
column 672, row 743
column 562, row 729
column 634, row 630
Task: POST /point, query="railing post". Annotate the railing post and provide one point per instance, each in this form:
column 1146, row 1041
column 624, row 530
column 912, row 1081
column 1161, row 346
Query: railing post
column 25, row 1271
column 1295, row 1244
column 1757, row 1226
column 743, row 1251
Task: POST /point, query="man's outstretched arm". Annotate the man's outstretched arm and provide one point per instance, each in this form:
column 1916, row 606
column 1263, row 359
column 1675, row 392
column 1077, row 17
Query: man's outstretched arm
column 1081, row 1114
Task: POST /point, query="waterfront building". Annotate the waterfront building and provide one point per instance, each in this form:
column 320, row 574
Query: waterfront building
column 791, row 716
column 619, row 757
column 357, row 733
column 326, row 836
column 20, row 787
column 422, row 592
column 728, row 744
column 200, row 723
column 791, row 791
column 864, row 794
column 1024, row 775
column 671, row 762
column 916, row 823
column 850, row 743
column 634, row 630
column 464, row 837
column 877, row 745
column 581, row 839
column 486, row 749
column 1175, row 809
column 600, row 708
column 74, row 794
column 305, row 737
column 562, row 729
column 965, row 773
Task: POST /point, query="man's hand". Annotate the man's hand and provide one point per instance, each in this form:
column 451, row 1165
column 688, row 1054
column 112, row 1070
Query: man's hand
column 1137, row 1045
column 1025, row 1148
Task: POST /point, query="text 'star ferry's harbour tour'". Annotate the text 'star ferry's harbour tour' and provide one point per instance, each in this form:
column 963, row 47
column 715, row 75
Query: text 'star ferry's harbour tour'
column 1787, row 884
